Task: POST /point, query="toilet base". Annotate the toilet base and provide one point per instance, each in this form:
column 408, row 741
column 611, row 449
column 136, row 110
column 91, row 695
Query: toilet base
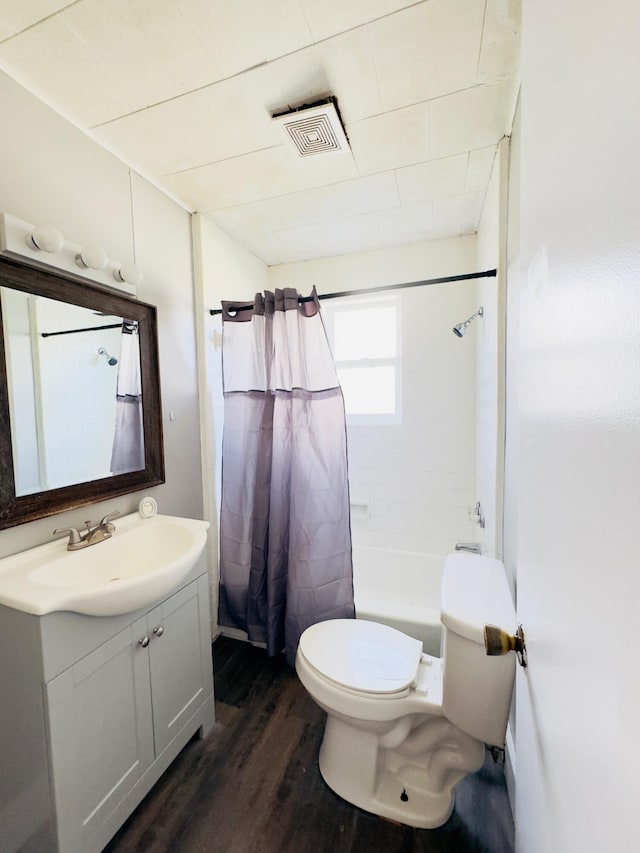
column 408, row 784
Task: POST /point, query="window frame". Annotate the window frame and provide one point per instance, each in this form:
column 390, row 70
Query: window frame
column 363, row 303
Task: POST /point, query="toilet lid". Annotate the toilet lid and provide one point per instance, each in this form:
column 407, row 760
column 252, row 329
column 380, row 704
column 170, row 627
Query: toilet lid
column 362, row 655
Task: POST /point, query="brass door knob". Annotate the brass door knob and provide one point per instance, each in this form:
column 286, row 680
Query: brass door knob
column 499, row 642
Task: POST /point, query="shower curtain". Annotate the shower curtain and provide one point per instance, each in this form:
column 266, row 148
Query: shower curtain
column 285, row 537
column 128, row 441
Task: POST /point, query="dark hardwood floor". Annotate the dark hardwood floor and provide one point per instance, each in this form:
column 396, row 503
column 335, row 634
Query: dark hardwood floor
column 253, row 785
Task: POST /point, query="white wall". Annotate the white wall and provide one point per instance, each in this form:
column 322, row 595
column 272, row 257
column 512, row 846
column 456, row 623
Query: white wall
column 490, row 357
column 223, row 270
column 52, row 173
column 579, row 432
column 418, row 477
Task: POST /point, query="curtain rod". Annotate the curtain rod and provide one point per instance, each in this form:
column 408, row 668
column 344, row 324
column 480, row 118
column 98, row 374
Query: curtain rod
column 382, row 288
column 126, row 327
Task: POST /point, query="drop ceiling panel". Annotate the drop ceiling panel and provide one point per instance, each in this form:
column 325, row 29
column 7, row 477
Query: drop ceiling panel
column 352, row 234
column 342, row 66
column 240, row 35
column 303, row 242
column 406, row 224
column 390, row 140
column 184, row 90
column 500, row 49
column 221, row 121
column 259, row 175
column 479, row 169
column 459, row 215
column 53, row 63
column 15, row 15
column 475, row 118
column 156, row 53
column 427, row 50
column 433, row 180
column 366, row 195
column 329, row 17
column 288, row 211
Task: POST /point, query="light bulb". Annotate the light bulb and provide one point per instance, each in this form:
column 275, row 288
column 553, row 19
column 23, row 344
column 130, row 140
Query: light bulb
column 92, row 258
column 128, row 273
column 47, row 238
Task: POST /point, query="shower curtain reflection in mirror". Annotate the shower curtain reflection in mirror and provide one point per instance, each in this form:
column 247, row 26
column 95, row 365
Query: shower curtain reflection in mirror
column 285, row 538
column 128, row 440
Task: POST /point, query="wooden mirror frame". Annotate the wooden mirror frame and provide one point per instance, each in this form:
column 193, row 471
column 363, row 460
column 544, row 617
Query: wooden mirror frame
column 65, row 287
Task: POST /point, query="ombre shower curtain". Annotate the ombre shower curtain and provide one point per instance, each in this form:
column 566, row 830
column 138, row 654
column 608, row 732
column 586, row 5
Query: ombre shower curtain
column 285, row 536
column 128, row 441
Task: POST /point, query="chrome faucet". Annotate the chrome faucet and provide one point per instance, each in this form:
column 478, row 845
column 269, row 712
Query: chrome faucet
column 93, row 534
column 469, row 547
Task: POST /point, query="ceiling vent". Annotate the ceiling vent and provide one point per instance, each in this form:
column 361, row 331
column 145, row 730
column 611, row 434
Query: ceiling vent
column 314, row 129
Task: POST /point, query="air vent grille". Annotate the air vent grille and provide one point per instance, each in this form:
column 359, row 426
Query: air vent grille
column 313, row 130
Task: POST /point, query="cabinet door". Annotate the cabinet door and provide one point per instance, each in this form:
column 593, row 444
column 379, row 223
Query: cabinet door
column 101, row 736
column 180, row 660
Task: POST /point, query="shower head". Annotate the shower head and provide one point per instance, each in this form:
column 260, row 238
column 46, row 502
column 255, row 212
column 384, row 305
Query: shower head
column 461, row 328
column 110, row 359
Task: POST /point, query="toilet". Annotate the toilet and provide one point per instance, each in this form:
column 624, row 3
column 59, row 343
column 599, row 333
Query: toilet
column 403, row 728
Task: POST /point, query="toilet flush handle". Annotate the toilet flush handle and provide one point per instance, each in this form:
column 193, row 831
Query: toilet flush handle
column 499, row 642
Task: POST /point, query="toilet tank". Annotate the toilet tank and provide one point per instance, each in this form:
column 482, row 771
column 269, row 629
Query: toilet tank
column 476, row 688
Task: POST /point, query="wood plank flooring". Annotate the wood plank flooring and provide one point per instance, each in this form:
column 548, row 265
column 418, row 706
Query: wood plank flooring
column 253, row 785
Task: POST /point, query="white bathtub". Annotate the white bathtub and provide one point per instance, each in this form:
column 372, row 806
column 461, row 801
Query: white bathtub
column 401, row 589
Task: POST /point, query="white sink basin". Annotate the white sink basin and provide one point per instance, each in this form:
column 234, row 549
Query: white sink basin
column 145, row 560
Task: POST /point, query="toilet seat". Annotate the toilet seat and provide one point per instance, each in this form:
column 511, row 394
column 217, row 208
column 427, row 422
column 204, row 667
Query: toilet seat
column 363, row 656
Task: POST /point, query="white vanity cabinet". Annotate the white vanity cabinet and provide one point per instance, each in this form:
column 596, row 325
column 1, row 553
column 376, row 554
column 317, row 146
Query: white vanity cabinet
column 121, row 696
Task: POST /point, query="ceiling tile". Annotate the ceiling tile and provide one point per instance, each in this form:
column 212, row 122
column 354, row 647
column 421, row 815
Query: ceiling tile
column 155, row 52
column 56, row 66
column 390, row 140
column 238, row 36
column 302, row 243
column 342, row 66
column 475, row 118
column 15, row 15
column 500, row 51
column 479, row 169
column 259, row 175
column 224, row 120
column 429, row 181
column 184, row 90
column 328, row 17
column 406, row 224
column 230, row 182
column 288, row 211
column 427, row 50
column 352, row 234
column 366, row 195
column 459, row 215
column 259, row 241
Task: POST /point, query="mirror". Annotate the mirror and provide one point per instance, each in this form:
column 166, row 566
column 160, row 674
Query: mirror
column 80, row 417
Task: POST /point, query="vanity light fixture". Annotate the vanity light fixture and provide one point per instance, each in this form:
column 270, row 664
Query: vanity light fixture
column 129, row 273
column 46, row 244
column 92, row 258
column 47, row 238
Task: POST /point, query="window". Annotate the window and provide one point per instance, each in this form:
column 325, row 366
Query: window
column 365, row 340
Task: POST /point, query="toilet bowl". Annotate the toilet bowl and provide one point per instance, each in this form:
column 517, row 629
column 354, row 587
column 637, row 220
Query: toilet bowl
column 403, row 728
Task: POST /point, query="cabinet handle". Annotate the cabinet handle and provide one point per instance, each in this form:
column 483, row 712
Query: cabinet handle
column 144, row 642
column 159, row 631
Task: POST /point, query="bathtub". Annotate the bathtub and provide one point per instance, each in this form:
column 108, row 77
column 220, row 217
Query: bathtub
column 401, row 589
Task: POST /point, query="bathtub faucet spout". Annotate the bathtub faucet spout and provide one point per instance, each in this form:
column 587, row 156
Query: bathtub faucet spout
column 470, row 547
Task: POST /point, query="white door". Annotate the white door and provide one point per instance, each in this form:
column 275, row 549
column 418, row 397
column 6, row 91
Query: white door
column 578, row 461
